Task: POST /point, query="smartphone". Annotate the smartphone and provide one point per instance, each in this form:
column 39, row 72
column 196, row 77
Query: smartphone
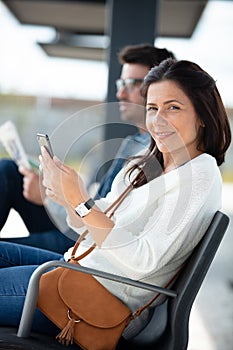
column 43, row 140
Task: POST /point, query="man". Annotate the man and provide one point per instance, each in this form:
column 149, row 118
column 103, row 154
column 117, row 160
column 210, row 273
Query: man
column 136, row 61
column 19, row 188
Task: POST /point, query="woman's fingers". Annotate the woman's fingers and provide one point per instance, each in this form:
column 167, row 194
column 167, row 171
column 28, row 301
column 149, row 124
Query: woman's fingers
column 62, row 183
column 45, row 159
column 61, row 165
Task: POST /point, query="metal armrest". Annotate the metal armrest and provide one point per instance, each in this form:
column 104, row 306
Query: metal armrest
column 33, row 288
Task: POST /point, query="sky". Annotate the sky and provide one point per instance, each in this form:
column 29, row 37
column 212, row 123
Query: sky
column 26, row 69
column 211, row 45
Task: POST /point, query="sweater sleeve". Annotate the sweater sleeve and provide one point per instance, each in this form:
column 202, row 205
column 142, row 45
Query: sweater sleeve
column 103, row 203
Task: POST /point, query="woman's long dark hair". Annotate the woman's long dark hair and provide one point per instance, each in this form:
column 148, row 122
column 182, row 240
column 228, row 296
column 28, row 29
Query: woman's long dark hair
column 213, row 138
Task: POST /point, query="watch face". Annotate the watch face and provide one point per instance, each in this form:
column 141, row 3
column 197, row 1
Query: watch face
column 82, row 210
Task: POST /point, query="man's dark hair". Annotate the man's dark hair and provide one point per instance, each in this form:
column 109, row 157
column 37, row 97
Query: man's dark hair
column 145, row 54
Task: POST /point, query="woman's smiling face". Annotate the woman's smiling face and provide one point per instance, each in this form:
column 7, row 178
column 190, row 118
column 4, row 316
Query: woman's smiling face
column 171, row 119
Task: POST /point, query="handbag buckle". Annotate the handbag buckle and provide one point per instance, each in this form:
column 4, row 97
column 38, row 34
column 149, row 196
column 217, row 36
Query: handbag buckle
column 70, row 318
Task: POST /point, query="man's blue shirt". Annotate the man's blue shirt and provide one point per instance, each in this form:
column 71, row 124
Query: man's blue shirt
column 130, row 146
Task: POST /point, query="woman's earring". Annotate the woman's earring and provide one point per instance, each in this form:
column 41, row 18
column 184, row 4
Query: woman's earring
column 202, row 124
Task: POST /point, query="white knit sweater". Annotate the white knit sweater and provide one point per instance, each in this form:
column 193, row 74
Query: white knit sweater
column 156, row 228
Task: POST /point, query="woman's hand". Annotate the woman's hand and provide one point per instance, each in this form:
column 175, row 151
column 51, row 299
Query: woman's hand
column 62, row 183
column 66, row 187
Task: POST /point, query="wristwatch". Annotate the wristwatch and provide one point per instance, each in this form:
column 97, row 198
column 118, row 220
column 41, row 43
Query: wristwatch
column 84, row 208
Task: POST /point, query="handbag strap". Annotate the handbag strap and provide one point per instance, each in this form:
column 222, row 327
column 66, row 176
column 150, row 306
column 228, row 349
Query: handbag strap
column 150, row 302
column 110, row 211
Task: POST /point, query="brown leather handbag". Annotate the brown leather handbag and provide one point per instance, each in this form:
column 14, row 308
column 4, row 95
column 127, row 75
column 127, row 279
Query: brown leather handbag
column 85, row 311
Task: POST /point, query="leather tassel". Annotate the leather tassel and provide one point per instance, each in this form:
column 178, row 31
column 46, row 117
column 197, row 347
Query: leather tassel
column 66, row 336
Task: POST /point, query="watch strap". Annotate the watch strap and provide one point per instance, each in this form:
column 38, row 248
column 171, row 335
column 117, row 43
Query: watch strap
column 90, row 203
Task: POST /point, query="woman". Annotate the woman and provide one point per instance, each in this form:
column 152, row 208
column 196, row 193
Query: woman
column 176, row 189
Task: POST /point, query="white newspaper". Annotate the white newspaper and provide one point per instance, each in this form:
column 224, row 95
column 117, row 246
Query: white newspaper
column 10, row 139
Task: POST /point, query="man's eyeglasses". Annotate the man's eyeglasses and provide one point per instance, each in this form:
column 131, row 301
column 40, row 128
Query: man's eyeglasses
column 128, row 84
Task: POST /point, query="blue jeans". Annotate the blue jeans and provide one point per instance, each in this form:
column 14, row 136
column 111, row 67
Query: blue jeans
column 17, row 262
column 43, row 233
